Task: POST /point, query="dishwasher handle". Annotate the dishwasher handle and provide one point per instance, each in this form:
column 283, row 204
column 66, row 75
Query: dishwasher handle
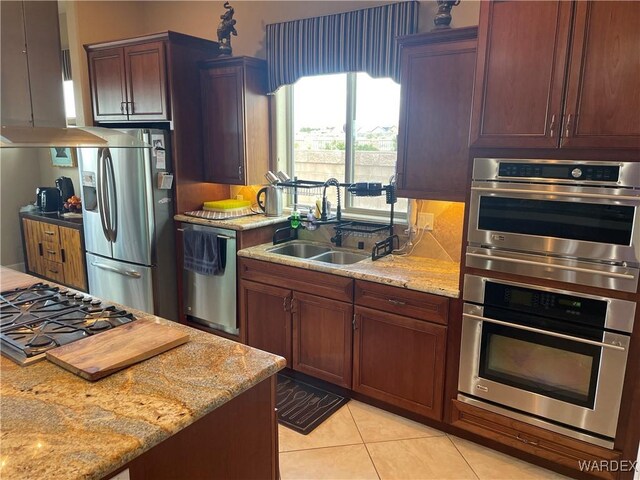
column 222, row 251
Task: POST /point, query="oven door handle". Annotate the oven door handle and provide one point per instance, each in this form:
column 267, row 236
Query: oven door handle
column 625, row 276
column 544, row 332
column 558, row 194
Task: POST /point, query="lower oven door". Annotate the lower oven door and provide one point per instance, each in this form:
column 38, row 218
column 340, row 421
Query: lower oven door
column 557, row 377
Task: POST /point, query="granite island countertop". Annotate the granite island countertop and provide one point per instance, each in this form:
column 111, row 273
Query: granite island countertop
column 247, row 222
column 438, row 277
column 56, row 425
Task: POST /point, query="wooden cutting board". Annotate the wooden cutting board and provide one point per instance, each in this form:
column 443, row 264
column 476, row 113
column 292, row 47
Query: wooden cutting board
column 100, row 355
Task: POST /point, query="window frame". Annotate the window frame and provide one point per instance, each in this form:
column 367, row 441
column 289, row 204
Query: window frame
column 285, row 121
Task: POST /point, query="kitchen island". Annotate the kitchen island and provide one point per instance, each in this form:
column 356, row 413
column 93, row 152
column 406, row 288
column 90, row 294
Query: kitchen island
column 202, row 410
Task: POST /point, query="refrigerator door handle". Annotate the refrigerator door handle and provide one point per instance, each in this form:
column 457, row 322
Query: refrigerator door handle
column 113, row 228
column 101, row 195
column 126, row 273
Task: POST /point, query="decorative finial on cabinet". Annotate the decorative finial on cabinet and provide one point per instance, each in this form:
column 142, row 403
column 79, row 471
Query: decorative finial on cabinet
column 226, row 29
column 443, row 16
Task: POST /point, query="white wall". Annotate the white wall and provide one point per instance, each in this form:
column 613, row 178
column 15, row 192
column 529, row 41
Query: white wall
column 22, row 170
column 19, row 177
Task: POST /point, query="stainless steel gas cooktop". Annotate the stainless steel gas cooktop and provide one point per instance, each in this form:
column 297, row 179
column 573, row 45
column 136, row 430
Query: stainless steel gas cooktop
column 41, row 317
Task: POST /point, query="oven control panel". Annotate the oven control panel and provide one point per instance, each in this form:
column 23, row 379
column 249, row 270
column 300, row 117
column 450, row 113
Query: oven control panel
column 586, row 172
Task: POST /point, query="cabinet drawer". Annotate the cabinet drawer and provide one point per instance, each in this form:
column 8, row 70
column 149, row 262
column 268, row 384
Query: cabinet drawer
column 422, row 306
column 531, row 439
column 298, row 279
column 49, row 234
column 51, row 252
column 54, row 271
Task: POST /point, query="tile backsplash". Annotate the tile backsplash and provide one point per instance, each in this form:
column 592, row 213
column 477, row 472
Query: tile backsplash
column 444, row 242
column 248, row 192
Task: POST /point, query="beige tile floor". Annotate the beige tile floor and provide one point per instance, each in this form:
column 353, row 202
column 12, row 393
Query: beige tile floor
column 363, row 442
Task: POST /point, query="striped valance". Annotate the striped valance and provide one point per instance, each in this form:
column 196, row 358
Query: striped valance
column 359, row 41
column 66, row 65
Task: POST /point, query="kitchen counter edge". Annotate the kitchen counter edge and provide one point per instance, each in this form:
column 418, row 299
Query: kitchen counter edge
column 248, row 222
column 82, row 429
column 438, row 277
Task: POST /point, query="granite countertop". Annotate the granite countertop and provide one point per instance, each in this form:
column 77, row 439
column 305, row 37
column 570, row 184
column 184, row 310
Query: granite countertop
column 56, row 425
column 414, row 273
column 240, row 223
column 55, row 218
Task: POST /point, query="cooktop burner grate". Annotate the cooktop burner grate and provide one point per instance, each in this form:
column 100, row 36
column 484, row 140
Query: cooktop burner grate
column 41, row 317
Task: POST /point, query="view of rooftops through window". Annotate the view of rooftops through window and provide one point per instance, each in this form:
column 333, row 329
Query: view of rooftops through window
column 326, row 110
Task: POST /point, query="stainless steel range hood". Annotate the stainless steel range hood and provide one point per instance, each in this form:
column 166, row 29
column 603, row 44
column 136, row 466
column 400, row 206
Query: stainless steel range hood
column 39, row 137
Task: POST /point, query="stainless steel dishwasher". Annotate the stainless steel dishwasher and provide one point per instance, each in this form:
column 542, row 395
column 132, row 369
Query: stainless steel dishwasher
column 211, row 299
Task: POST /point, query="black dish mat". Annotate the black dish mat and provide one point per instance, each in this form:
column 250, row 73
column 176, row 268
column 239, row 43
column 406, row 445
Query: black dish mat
column 302, row 407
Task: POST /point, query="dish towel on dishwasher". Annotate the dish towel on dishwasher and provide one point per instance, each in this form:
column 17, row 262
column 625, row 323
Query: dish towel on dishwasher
column 201, row 252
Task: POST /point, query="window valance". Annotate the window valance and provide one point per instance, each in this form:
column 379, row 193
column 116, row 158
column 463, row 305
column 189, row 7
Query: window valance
column 359, row 41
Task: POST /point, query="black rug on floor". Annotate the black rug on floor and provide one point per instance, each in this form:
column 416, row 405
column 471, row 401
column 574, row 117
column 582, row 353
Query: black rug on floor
column 303, row 407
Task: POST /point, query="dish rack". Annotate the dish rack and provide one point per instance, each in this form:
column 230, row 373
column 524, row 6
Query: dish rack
column 345, row 228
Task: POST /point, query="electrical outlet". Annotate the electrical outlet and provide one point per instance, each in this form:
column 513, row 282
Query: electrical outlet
column 425, row 221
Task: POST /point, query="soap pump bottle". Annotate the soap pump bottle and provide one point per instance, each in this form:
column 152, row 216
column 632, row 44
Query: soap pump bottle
column 295, row 219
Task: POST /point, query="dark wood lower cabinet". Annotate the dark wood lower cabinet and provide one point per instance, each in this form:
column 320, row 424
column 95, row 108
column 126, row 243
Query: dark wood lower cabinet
column 322, row 337
column 266, row 312
column 533, row 440
column 400, row 361
column 237, row 441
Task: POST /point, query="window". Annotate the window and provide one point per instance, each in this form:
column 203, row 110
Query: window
column 69, row 102
column 345, row 126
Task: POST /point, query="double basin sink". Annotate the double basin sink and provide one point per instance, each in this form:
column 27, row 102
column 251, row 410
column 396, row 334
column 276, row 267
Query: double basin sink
column 318, row 253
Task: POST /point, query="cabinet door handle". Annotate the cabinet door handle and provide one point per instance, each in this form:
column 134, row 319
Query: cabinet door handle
column 122, row 104
column 239, row 171
column 567, row 132
column 396, row 302
column 132, row 107
column 51, row 252
column 284, row 304
column 40, row 251
column 355, row 321
column 48, row 232
column 62, row 254
column 552, row 126
column 53, row 271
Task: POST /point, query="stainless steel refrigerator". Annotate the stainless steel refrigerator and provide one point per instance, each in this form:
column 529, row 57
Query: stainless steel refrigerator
column 128, row 222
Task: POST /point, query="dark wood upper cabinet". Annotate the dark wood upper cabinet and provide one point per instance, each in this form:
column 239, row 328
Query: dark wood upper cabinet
column 603, row 87
column 235, row 119
column 557, row 74
column 129, row 83
column 151, row 79
column 522, row 56
column 437, row 86
column 128, row 78
column 108, row 85
column 146, row 82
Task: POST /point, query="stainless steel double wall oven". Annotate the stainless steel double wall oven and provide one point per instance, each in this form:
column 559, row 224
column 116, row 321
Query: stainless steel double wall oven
column 552, row 357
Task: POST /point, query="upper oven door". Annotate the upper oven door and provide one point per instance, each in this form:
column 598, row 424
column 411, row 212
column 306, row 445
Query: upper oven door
column 580, row 222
